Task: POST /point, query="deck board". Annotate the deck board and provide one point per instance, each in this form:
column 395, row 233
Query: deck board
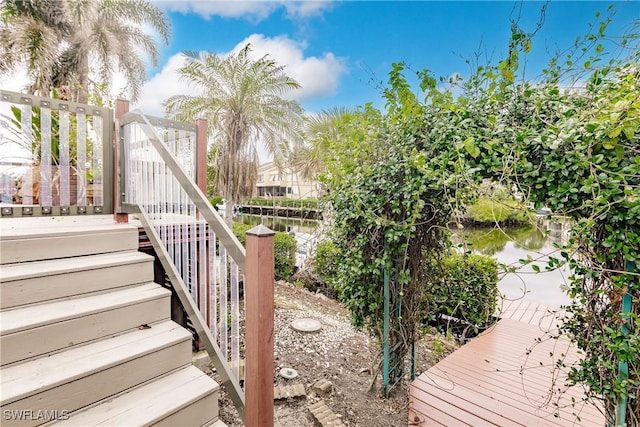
column 503, row 377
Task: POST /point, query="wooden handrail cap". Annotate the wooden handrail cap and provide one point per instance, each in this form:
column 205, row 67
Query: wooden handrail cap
column 261, row 231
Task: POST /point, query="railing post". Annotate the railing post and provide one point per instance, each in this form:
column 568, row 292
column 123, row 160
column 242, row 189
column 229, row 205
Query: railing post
column 201, row 182
column 201, row 154
column 259, row 289
column 122, row 107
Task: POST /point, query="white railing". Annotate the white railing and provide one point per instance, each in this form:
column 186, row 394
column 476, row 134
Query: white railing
column 56, row 157
column 201, row 251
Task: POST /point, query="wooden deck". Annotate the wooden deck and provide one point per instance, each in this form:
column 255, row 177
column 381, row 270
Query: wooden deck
column 508, row 376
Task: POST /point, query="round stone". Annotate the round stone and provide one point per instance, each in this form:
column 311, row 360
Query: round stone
column 288, row 373
column 306, row 325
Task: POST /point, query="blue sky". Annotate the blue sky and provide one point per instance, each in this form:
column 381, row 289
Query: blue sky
column 337, row 49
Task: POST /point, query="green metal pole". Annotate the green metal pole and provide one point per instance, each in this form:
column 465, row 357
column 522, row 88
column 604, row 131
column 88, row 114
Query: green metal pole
column 623, row 366
column 413, row 361
column 385, row 350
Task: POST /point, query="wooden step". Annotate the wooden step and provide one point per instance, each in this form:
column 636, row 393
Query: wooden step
column 38, row 329
column 186, row 397
column 31, row 239
column 217, row 423
column 82, row 375
column 37, row 281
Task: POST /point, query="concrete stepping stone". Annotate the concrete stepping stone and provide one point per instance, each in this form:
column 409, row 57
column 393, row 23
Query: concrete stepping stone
column 306, row 325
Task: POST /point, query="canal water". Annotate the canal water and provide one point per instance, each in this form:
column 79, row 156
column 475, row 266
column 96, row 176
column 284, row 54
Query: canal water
column 509, row 245
column 289, row 225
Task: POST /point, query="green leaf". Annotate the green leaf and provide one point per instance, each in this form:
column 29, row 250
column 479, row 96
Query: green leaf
column 470, row 146
column 629, row 131
column 615, row 132
column 535, row 267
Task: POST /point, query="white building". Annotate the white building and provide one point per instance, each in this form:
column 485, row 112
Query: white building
column 274, row 182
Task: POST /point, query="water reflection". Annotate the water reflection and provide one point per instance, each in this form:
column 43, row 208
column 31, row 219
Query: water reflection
column 490, row 241
column 288, row 225
column 509, row 246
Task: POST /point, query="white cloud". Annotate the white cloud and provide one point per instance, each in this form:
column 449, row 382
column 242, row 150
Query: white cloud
column 163, row 85
column 305, row 9
column 318, row 76
column 251, row 10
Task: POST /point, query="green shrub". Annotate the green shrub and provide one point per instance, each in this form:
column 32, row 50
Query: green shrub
column 497, row 211
column 325, row 266
column 285, row 255
column 284, row 247
column 240, row 230
column 215, row 201
column 467, row 288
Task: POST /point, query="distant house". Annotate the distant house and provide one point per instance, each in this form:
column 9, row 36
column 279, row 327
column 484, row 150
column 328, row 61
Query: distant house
column 274, row 182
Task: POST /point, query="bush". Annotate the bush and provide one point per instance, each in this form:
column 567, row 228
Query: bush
column 325, row 266
column 215, row 201
column 285, row 255
column 487, row 210
column 466, row 290
column 284, row 250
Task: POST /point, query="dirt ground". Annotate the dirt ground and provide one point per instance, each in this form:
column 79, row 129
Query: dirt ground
column 337, row 353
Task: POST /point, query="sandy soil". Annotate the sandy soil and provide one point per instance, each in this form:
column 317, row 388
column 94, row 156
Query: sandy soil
column 338, row 353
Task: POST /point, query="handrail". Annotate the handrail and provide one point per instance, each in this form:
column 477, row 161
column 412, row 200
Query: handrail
column 197, row 249
column 231, row 383
column 222, row 230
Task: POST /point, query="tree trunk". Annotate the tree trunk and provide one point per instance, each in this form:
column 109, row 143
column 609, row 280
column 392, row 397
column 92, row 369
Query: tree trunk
column 82, row 87
column 228, row 210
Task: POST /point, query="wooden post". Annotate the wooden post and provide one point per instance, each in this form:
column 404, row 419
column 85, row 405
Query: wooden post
column 122, row 107
column 201, row 154
column 259, row 289
column 201, row 182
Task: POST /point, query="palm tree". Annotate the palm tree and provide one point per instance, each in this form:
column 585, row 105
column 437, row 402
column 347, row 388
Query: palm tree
column 242, row 99
column 61, row 41
column 307, row 157
column 31, row 33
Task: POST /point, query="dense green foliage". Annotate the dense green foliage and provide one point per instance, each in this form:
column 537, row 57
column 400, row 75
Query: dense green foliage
column 284, row 250
column 587, row 166
column 569, row 140
column 468, row 289
column 577, row 152
column 391, row 184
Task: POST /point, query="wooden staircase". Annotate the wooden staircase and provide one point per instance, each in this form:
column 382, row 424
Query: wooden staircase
column 86, row 337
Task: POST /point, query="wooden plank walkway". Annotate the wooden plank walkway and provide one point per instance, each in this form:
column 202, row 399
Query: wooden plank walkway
column 507, row 376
